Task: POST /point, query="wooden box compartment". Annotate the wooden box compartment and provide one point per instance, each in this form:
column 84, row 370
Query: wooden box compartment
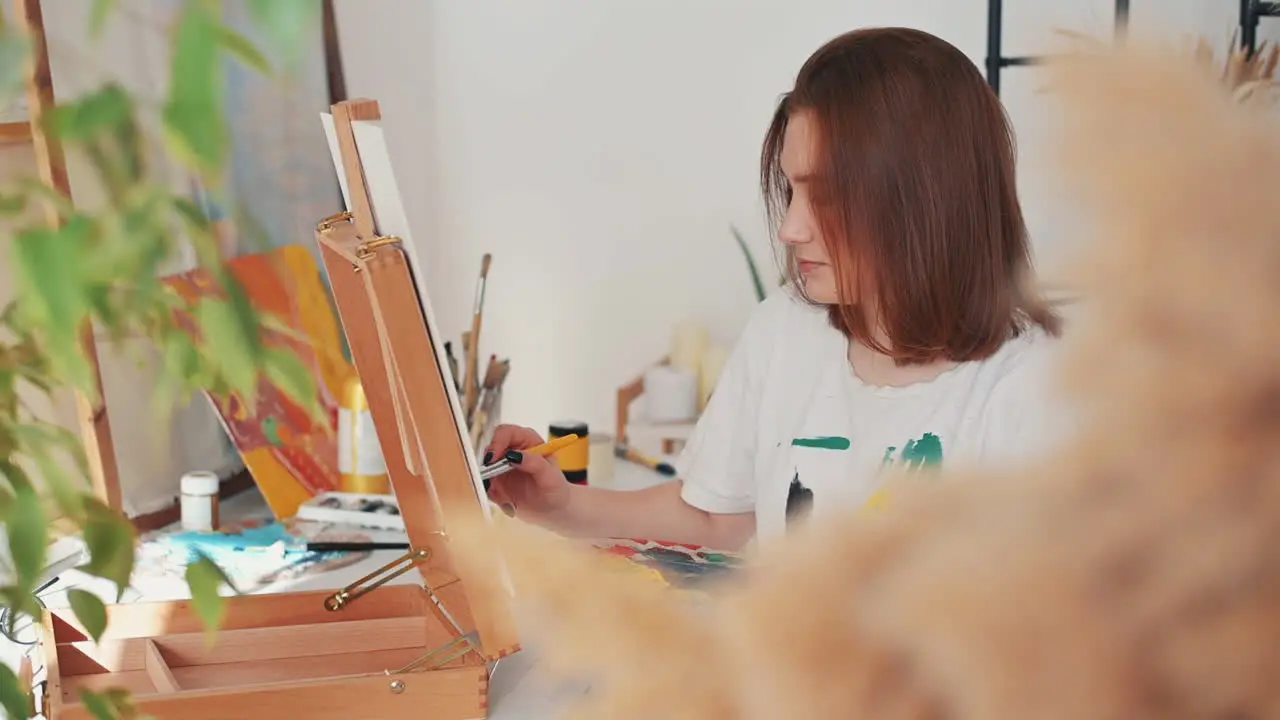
column 275, row 656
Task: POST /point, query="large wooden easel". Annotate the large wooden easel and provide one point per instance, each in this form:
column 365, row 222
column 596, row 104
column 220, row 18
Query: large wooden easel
column 415, row 410
column 91, row 413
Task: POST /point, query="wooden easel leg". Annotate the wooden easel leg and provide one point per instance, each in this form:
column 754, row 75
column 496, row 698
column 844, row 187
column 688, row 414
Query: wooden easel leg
column 95, row 430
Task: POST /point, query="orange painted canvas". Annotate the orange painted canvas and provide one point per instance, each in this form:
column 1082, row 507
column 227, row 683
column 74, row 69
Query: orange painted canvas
column 291, row 456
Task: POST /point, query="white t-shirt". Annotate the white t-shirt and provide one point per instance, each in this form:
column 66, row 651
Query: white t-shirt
column 791, row 424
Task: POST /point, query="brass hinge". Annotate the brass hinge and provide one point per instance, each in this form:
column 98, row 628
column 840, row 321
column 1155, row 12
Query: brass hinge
column 366, row 249
column 333, row 221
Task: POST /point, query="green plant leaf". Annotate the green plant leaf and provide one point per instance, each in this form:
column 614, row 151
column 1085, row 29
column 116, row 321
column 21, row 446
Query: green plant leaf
column 37, row 441
column 15, row 699
column 16, row 476
column 109, row 536
column 6, row 502
column 205, row 578
column 751, row 264
column 12, row 204
column 111, row 704
column 90, row 611
column 243, row 49
column 286, row 371
column 193, row 112
column 34, row 188
column 28, row 540
column 8, row 395
column 197, row 224
column 181, row 358
column 98, row 16
column 225, row 339
column 286, row 23
column 48, row 263
column 15, row 51
column 22, row 601
column 105, row 109
column 99, row 705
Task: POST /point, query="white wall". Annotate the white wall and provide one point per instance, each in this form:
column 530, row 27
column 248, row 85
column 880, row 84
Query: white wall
column 600, row 149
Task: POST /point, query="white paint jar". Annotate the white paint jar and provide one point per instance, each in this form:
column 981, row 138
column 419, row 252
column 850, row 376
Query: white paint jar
column 199, row 501
column 689, row 341
column 600, row 464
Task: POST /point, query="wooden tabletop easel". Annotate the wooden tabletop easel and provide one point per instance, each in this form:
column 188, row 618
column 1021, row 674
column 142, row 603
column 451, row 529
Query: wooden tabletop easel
column 91, row 413
column 398, row 354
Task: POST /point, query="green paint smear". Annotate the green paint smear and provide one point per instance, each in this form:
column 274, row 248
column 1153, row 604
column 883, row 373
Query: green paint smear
column 822, row 443
column 923, row 452
column 888, row 455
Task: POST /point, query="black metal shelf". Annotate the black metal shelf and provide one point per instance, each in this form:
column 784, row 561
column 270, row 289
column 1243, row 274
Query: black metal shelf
column 996, row 61
column 1251, row 11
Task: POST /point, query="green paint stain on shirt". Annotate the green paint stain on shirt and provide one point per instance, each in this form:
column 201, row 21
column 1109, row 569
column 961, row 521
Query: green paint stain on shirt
column 888, row 455
column 822, row 443
column 923, row 452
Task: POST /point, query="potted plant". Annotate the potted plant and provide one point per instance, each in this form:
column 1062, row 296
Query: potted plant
column 99, row 267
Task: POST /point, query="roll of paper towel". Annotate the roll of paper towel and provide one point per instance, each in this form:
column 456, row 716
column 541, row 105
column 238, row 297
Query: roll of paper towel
column 688, row 344
column 670, row 394
column 712, row 365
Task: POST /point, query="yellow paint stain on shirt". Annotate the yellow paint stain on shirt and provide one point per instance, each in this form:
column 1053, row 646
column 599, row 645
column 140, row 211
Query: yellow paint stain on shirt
column 878, row 501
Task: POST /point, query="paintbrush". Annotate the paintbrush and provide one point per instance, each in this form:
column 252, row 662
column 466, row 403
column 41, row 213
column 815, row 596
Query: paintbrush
column 492, row 397
column 504, row 465
column 453, row 366
column 487, row 418
column 462, row 388
column 628, row 453
column 471, row 385
column 491, row 382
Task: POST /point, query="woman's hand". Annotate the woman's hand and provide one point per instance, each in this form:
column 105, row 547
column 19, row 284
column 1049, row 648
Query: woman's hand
column 534, row 486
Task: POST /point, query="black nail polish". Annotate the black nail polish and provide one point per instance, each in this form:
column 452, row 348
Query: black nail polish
column 515, row 457
column 488, row 457
column 486, row 485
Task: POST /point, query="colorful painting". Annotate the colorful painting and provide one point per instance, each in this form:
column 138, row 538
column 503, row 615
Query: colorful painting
column 291, row 458
column 686, row 567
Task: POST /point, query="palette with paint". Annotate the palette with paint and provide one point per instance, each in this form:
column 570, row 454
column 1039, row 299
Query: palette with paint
column 358, row 509
column 687, row 567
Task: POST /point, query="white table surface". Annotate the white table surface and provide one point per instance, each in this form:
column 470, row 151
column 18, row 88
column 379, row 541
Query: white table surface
column 513, row 695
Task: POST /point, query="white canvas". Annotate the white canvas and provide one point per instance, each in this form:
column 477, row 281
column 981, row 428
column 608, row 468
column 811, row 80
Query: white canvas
column 390, row 219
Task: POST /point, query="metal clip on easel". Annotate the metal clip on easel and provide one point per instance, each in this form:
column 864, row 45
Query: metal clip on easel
column 376, row 579
column 441, row 656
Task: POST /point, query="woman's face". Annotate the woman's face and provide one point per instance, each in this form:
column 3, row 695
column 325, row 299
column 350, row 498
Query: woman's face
column 799, row 229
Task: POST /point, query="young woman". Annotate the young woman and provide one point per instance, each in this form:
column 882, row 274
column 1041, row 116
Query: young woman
column 904, row 336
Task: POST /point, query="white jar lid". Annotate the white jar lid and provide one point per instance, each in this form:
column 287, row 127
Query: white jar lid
column 200, row 482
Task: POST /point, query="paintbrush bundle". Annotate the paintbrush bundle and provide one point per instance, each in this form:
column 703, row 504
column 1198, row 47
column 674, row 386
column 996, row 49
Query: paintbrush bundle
column 484, row 418
column 482, row 415
column 480, row 398
column 1130, row 575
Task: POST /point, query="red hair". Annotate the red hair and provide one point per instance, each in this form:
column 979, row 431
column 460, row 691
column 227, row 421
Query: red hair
column 923, row 226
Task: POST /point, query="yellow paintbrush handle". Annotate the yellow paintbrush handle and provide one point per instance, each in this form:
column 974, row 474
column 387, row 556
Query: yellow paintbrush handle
column 549, row 447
